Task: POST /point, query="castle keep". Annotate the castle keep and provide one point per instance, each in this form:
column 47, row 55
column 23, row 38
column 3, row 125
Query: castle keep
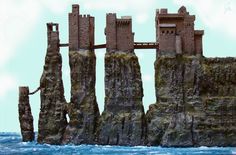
column 81, row 30
column 119, row 33
column 176, row 34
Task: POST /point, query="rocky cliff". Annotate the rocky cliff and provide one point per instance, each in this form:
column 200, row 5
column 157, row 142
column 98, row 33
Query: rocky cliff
column 25, row 115
column 83, row 109
column 196, row 102
column 123, row 120
column 52, row 117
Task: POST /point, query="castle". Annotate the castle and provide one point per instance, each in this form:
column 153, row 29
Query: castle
column 195, row 96
column 175, row 33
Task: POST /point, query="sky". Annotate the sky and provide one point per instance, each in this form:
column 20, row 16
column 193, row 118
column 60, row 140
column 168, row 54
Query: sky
column 23, row 42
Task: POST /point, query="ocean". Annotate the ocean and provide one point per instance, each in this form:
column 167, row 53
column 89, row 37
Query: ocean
column 10, row 143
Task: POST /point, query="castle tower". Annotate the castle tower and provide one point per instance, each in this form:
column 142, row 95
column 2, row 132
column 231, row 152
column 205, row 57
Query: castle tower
column 175, row 33
column 53, row 35
column 81, row 30
column 119, row 35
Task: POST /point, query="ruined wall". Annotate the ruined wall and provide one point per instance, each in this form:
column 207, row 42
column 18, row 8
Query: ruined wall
column 196, row 102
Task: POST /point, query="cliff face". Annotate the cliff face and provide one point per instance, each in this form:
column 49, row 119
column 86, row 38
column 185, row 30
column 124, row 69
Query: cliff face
column 52, row 117
column 83, row 109
column 123, row 120
column 196, row 102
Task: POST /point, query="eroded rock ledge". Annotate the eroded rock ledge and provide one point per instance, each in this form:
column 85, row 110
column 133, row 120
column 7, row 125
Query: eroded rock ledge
column 196, row 102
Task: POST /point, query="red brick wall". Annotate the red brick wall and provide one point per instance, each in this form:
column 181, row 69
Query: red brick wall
column 110, row 31
column 81, row 30
column 167, row 39
column 198, row 44
column 84, row 27
column 124, row 35
column 91, row 31
column 74, row 30
column 188, row 35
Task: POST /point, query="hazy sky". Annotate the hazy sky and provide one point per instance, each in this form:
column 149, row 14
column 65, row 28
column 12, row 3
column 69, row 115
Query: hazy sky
column 23, row 42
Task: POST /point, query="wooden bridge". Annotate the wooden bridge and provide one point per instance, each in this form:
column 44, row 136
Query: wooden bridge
column 137, row 45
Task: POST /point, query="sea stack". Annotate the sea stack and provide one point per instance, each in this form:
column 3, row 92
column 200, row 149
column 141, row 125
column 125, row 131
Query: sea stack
column 123, row 120
column 83, row 109
column 52, row 117
column 25, row 115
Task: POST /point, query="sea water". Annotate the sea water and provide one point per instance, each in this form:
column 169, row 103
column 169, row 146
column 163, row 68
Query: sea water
column 10, row 143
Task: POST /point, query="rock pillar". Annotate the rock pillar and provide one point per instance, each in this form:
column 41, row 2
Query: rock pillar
column 25, row 115
column 52, row 117
column 123, row 120
column 83, row 109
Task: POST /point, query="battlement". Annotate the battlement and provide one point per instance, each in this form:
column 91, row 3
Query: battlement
column 81, row 30
column 182, row 25
column 121, row 22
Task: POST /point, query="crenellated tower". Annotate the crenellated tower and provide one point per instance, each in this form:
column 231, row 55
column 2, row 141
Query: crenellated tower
column 119, row 35
column 81, row 30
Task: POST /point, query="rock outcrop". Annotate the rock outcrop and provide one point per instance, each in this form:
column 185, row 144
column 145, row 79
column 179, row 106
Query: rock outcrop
column 83, row 109
column 52, row 117
column 123, row 120
column 25, row 115
column 196, row 102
